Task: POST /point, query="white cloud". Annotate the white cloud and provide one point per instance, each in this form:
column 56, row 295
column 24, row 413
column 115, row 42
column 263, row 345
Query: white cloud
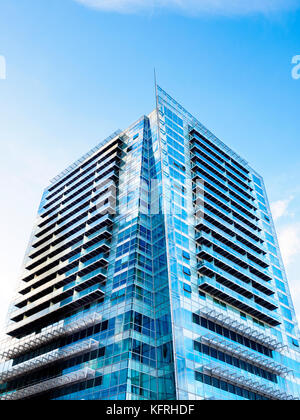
column 293, row 277
column 224, row 7
column 280, row 208
column 289, row 241
column 288, row 232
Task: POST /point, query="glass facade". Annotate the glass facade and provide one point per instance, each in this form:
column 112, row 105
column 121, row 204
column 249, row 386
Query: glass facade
column 153, row 273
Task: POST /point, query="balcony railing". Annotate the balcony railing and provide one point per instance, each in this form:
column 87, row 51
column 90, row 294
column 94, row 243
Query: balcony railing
column 76, row 219
column 208, row 252
column 238, row 255
column 242, row 328
column 67, row 173
column 44, row 360
column 50, row 384
column 105, row 221
column 237, row 379
column 88, row 174
column 242, row 287
column 197, row 141
column 14, row 348
column 244, row 354
column 211, row 286
column 75, row 207
column 73, row 302
column 58, row 250
column 62, row 288
column 229, row 239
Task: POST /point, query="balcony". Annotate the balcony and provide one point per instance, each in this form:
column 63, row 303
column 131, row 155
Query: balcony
column 69, row 222
column 208, row 254
column 89, row 227
column 235, row 378
column 66, row 269
column 55, row 311
column 88, row 174
column 235, row 226
column 220, row 149
column 63, row 233
column 67, row 261
column 199, row 143
column 237, row 257
column 47, row 359
column 76, row 206
column 228, row 188
column 244, row 288
column 67, row 258
column 14, row 348
column 222, row 318
column 230, row 240
column 50, row 384
column 95, row 276
column 74, row 171
column 242, row 353
column 57, row 252
column 207, row 167
column 63, row 289
column 213, row 167
column 212, row 287
column 108, row 174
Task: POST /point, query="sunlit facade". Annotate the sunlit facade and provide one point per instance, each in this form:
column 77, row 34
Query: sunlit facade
column 153, row 273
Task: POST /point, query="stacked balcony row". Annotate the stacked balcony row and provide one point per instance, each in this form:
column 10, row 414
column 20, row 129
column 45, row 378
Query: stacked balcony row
column 68, row 259
column 230, row 249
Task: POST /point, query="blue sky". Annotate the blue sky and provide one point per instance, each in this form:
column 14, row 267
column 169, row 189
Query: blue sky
column 76, row 73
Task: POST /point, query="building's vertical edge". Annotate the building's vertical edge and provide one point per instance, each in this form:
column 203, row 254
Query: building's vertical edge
column 165, row 213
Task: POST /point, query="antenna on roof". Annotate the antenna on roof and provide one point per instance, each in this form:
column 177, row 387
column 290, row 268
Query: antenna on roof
column 155, row 86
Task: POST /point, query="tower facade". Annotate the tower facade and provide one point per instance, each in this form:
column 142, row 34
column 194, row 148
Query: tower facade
column 153, row 272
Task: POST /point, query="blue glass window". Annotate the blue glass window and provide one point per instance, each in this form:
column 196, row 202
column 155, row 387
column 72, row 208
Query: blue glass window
column 186, row 255
column 187, row 288
column 286, row 313
column 186, row 271
column 257, row 180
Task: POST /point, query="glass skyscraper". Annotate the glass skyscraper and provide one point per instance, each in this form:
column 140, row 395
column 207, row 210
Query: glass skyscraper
column 153, row 273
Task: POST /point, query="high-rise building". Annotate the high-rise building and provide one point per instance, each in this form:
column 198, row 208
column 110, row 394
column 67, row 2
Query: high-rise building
column 153, row 272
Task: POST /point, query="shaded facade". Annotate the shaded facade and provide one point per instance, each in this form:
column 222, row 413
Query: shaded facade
column 153, row 272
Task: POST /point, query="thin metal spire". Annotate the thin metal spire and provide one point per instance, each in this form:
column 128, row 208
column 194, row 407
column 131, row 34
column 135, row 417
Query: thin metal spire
column 155, row 86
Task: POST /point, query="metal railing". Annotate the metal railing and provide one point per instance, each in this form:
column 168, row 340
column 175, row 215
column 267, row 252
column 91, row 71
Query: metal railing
column 237, row 379
column 84, row 157
column 244, row 354
column 46, row 359
column 50, row 384
column 241, row 328
column 13, row 348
